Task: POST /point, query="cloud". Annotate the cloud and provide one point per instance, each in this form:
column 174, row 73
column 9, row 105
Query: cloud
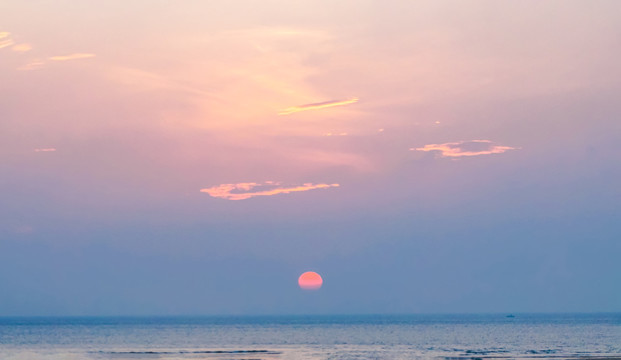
column 22, row 47
column 317, row 106
column 72, row 57
column 5, row 43
column 45, row 150
column 465, row 148
column 242, row 191
column 32, row 65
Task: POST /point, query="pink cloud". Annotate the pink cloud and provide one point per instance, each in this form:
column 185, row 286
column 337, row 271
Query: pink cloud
column 6, row 43
column 72, row 57
column 465, row 148
column 22, row 47
column 32, row 65
column 45, row 150
column 317, row 106
column 242, row 191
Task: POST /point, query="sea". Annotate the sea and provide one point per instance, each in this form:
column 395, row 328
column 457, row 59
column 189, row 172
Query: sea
column 342, row 337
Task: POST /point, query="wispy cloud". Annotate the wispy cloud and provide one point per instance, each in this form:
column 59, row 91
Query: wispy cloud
column 32, row 65
column 242, row 191
column 22, row 47
column 45, row 150
column 72, row 57
column 465, row 148
column 4, row 41
column 317, row 106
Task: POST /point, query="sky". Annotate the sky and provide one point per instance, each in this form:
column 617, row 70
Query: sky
column 195, row 157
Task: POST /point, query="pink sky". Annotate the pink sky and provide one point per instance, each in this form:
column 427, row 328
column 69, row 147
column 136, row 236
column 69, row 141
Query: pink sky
column 296, row 95
column 121, row 114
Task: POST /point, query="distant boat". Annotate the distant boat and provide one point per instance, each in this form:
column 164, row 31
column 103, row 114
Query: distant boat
column 510, row 316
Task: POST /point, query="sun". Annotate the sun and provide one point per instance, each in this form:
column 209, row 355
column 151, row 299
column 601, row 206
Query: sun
column 310, row 280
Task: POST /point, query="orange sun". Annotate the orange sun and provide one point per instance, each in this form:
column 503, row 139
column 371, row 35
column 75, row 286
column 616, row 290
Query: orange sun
column 310, row 280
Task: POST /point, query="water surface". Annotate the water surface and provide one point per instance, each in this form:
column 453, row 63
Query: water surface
column 445, row 337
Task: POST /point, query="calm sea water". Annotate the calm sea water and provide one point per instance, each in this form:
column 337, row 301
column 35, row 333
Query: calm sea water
column 444, row 337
